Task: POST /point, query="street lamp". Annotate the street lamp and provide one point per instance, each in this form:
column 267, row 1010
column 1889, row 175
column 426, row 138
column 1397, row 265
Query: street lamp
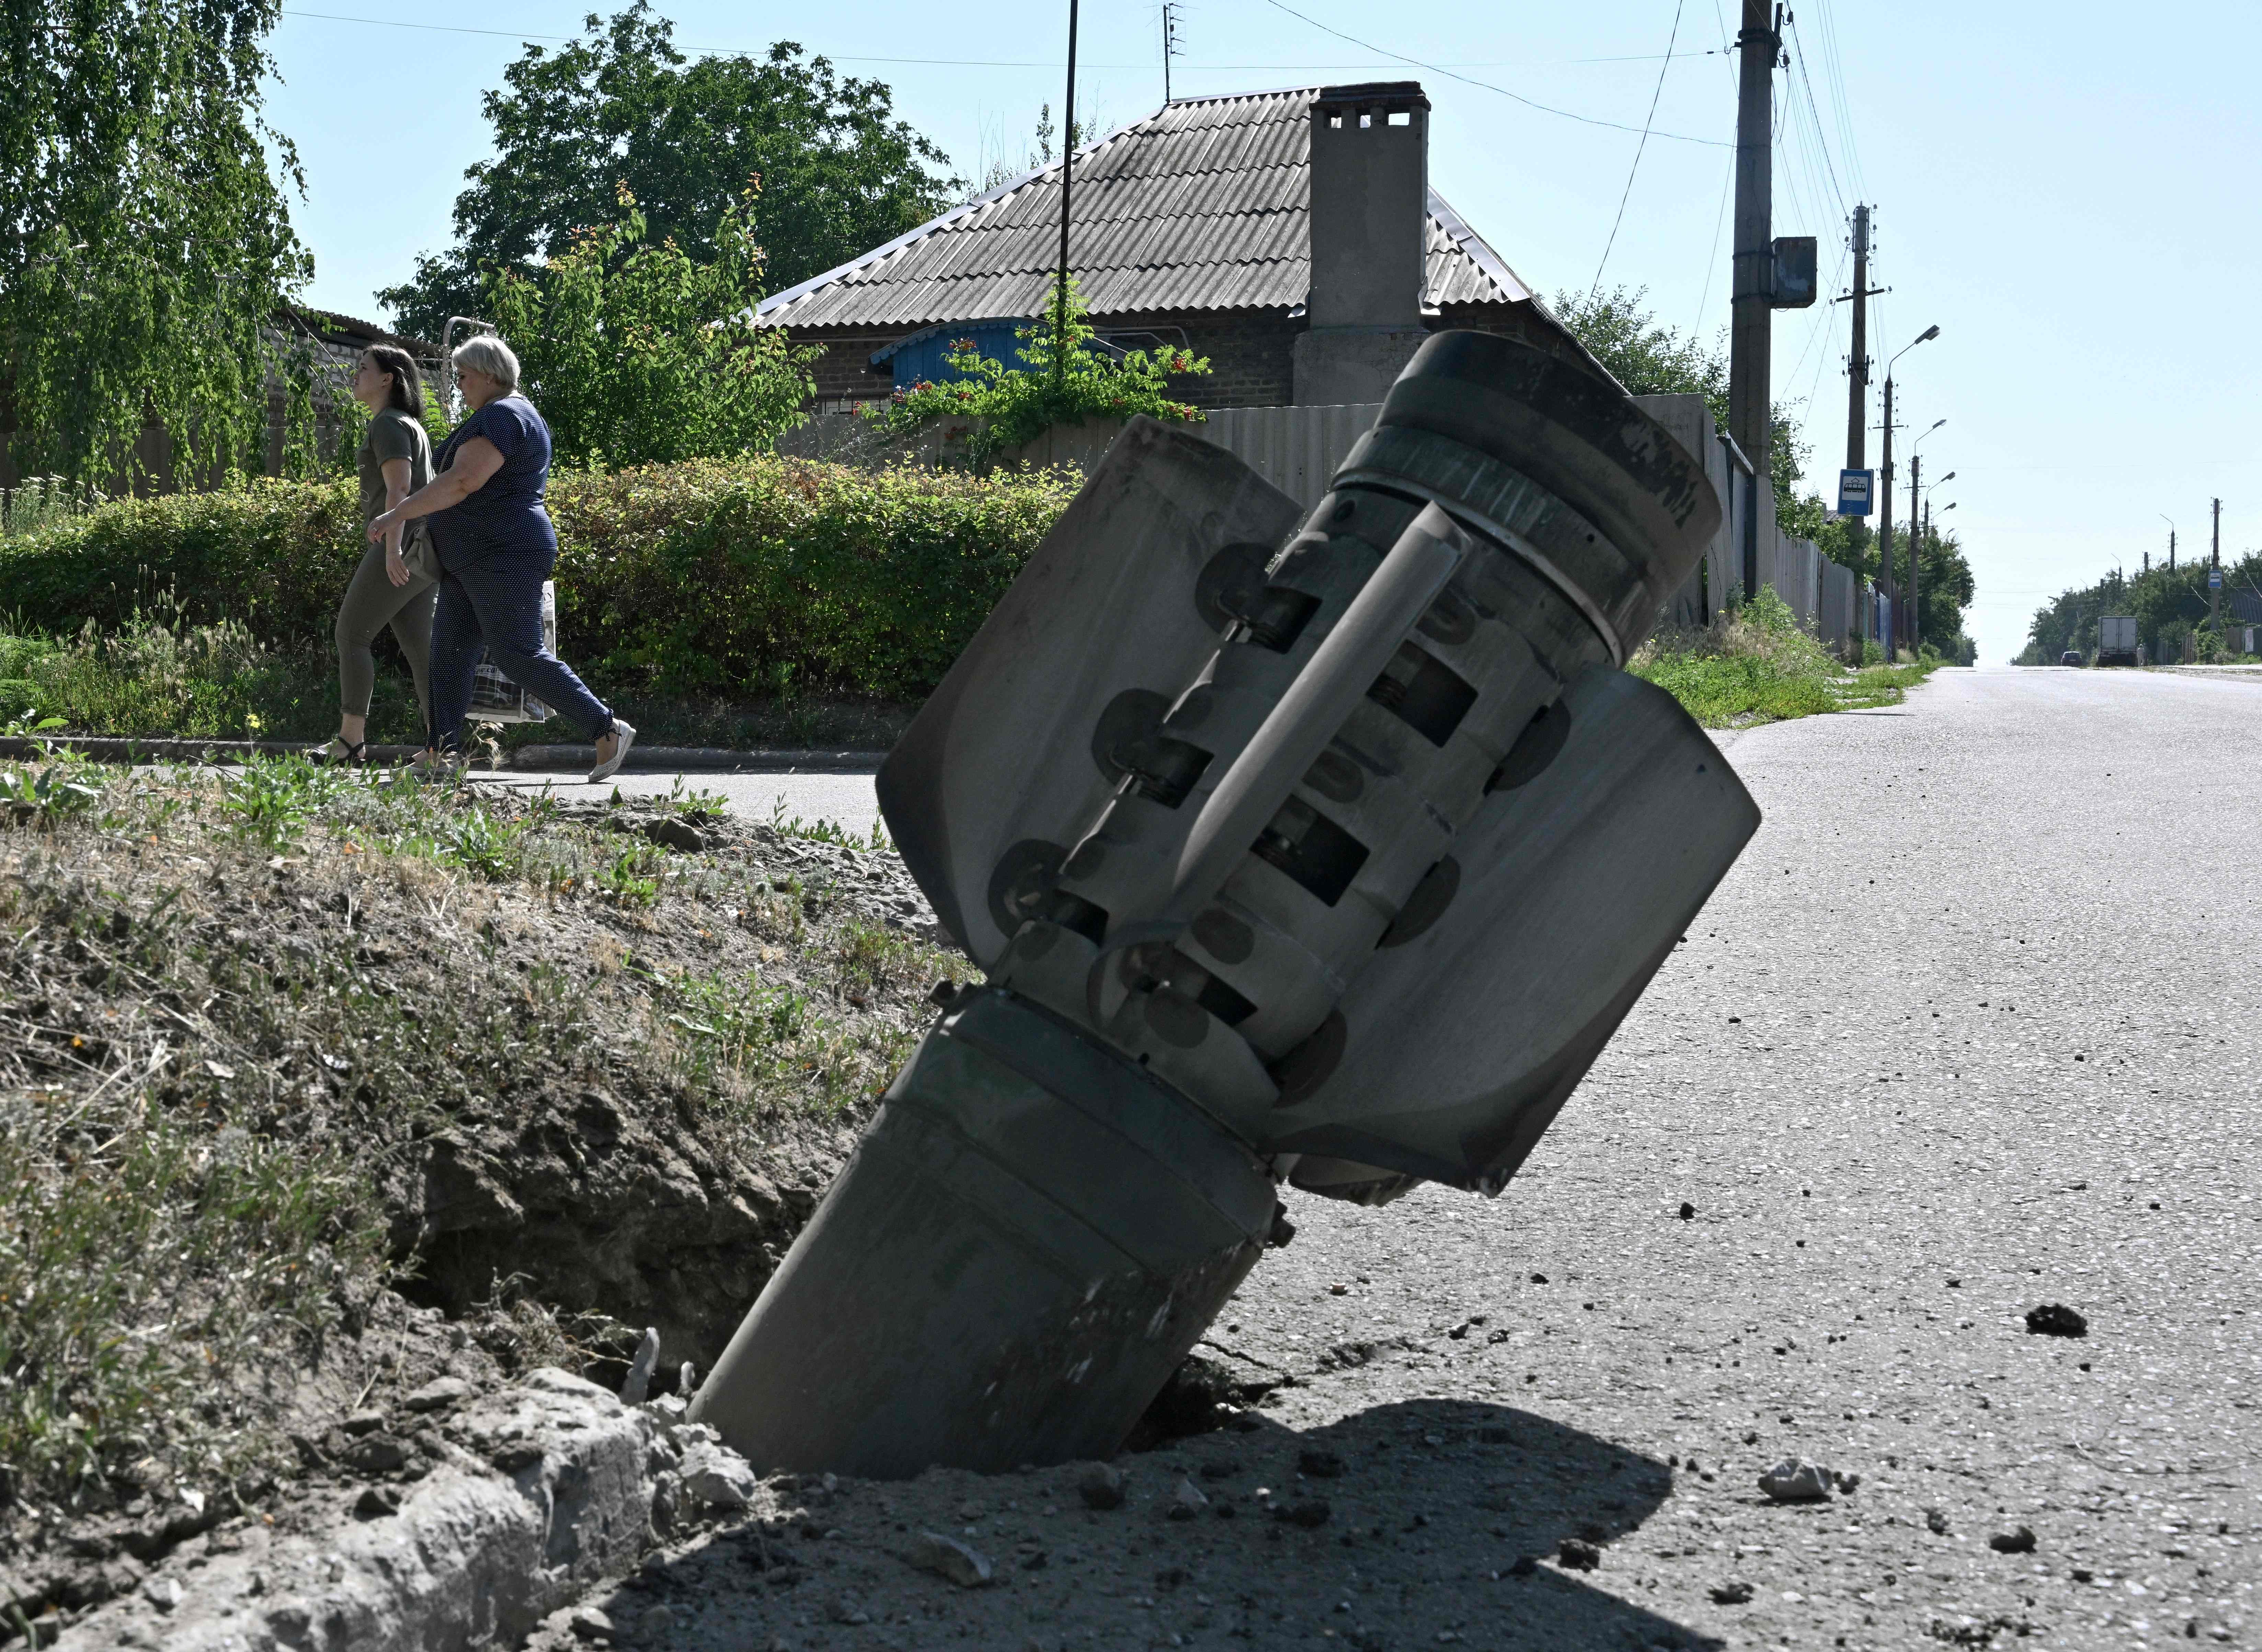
column 1885, row 531
column 1920, row 533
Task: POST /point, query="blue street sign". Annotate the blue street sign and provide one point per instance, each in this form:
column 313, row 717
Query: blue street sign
column 1855, row 488
column 2215, row 579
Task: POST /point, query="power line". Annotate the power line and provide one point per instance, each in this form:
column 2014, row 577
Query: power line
column 1834, row 77
column 1713, row 259
column 1632, row 171
column 976, row 62
column 1815, row 113
column 1466, row 80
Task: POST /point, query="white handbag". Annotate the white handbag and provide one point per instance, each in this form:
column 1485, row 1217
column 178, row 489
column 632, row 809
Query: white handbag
column 495, row 698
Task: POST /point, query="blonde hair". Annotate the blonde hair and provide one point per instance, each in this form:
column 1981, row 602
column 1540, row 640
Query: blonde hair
column 489, row 354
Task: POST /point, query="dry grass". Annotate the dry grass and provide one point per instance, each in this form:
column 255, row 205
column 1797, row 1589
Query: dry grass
column 236, row 1008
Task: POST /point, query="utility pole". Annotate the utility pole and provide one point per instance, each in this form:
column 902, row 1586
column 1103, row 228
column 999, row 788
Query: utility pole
column 1068, row 165
column 2215, row 576
column 1857, row 383
column 1857, row 361
column 1885, row 522
column 1750, row 383
column 1916, row 544
column 2172, row 550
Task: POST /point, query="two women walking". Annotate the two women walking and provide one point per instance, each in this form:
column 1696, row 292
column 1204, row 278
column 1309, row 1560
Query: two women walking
column 483, row 545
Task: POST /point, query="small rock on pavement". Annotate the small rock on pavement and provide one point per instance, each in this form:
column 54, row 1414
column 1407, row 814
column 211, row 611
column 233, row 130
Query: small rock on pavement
column 845, row 1610
column 376, row 1502
column 638, row 1382
column 1101, row 1487
column 1188, row 1501
column 1731, row 1594
column 164, row 1593
column 441, row 1391
column 2019, row 1542
column 717, row 1476
column 1790, row 1481
column 946, row 1558
column 589, row 1624
column 2056, row 1319
column 1578, row 1555
column 1688, row 1211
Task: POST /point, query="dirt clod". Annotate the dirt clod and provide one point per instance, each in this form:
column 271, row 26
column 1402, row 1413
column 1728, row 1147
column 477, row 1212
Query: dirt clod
column 946, row 1558
column 1576, row 1554
column 2019, row 1542
column 2056, row 1319
column 1101, row 1487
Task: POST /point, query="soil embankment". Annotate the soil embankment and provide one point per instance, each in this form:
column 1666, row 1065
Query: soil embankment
column 320, row 1088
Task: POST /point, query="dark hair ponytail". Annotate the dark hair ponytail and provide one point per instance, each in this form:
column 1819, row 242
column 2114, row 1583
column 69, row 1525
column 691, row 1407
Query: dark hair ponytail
column 399, row 366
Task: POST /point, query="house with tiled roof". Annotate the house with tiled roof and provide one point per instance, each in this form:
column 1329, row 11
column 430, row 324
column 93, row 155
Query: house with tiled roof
column 1291, row 237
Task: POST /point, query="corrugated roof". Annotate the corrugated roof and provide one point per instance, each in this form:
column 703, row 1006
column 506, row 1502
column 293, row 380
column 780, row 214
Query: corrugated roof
column 1205, row 205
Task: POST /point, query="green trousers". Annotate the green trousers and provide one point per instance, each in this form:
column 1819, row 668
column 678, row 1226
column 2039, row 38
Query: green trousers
column 372, row 602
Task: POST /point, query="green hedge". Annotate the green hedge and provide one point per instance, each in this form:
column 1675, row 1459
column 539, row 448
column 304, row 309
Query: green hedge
column 719, row 577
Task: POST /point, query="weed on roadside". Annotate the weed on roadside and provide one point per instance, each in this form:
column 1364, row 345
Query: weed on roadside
column 1759, row 665
column 792, row 825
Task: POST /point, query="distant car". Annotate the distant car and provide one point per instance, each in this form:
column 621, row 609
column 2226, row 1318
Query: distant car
column 2070, row 657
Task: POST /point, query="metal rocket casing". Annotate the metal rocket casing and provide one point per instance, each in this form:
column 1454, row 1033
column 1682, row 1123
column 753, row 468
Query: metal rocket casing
column 1343, row 838
column 1259, row 834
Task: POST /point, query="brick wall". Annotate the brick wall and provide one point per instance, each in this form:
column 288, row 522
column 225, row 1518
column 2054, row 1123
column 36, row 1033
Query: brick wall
column 1250, row 351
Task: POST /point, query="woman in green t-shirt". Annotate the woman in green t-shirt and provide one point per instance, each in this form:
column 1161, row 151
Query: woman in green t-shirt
column 395, row 584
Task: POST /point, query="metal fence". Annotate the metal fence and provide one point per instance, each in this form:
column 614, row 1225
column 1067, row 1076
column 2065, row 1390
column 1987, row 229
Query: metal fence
column 1297, row 450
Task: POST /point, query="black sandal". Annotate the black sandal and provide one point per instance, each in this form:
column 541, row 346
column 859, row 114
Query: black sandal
column 336, row 750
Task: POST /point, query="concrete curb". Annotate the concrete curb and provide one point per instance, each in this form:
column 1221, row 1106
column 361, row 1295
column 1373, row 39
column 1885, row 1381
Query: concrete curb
column 803, row 759
column 537, row 759
column 475, row 1556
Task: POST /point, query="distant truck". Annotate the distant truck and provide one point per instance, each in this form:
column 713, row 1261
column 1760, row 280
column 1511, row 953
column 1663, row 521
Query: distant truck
column 2117, row 641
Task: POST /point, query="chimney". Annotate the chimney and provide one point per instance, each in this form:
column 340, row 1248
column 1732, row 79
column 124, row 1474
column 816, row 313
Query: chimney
column 1369, row 178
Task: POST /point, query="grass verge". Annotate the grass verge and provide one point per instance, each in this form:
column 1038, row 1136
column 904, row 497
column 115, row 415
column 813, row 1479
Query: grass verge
column 278, row 1042
column 1758, row 665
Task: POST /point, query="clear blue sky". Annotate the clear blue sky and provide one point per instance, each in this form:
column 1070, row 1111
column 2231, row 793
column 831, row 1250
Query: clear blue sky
column 2066, row 190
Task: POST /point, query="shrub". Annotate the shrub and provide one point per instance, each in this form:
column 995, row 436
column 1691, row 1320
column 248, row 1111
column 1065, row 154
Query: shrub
column 1068, row 378
column 713, row 575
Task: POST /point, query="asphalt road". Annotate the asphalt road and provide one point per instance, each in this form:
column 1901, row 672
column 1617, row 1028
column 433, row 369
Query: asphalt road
column 1973, row 1027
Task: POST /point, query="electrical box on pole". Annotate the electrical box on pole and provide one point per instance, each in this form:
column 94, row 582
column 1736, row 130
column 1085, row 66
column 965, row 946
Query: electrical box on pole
column 1795, row 281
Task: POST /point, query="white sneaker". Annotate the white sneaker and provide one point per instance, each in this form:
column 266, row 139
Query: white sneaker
column 605, row 771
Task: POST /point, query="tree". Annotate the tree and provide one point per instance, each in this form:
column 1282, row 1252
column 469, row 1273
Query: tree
column 144, row 241
column 1652, row 359
column 1944, row 588
column 639, row 354
column 838, row 174
column 2169, row 605
column 999, row 169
